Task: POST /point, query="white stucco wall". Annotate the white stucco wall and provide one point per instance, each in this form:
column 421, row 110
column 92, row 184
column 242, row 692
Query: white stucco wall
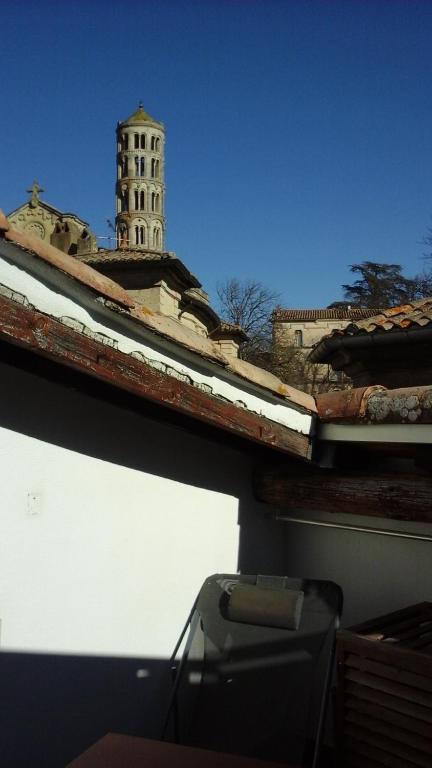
column 97, row 558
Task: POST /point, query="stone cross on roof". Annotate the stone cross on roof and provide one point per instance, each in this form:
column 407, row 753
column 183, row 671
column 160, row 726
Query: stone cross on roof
column 34, row 190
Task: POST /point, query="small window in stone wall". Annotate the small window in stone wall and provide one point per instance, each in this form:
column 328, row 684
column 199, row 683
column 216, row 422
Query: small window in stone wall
column 155, row 202
column 139, row 200
column 298, row 338
column 136, row 140
column 139, row 235
column 140, row 166
column 143, row 141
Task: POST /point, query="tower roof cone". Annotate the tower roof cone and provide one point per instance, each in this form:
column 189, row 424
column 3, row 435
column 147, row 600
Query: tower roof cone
column 141, row 116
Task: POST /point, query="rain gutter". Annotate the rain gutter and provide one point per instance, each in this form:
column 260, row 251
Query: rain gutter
column 327, row 347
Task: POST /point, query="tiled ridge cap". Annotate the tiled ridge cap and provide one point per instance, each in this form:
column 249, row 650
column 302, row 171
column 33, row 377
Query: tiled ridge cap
column 377, row 405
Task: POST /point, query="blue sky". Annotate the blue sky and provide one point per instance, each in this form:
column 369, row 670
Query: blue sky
column 299, row 134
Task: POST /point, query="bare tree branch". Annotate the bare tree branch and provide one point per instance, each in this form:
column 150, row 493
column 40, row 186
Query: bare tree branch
column 249, row 304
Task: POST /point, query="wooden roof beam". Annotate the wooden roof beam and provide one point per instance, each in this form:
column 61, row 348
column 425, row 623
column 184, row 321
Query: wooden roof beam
column 39, row 333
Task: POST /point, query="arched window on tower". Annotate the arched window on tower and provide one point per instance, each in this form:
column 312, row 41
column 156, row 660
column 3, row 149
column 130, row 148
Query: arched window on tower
column 156, row 237
column 142, row 166
column 125, row 141
column 155, row 202
column 298, row 338
column 143, row 141
column 124, row 200
column 157, row 144
column 153, row 143
column 142, row 200
column 139, row 235
column 137, row 166
column 124, row 167
column 136, row 199
column 136, row 140
column 155, row 168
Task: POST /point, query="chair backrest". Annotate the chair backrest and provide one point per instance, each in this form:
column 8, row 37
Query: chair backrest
column 252, row 689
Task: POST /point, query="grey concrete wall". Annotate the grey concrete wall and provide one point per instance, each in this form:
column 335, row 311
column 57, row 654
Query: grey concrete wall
column 377, row 573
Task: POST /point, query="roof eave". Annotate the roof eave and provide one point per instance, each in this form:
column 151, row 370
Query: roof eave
column 328, row 347
column 44, row 335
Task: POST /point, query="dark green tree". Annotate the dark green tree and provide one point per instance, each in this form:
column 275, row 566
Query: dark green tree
column 379, row 285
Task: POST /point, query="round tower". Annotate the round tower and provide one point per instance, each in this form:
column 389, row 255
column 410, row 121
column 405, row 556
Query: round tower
column 140, row 189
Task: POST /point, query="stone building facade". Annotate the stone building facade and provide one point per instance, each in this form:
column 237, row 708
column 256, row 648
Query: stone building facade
column 300, row 330
column 65, row 231
column 140, row 189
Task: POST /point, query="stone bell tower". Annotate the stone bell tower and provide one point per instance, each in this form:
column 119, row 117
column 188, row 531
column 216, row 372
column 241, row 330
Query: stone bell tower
column 140, row 189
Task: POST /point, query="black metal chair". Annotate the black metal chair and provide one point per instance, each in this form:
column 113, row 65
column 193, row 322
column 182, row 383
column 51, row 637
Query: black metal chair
column 252, row 676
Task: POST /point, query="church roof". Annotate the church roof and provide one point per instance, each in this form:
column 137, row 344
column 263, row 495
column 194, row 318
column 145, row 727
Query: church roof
column 140, row 116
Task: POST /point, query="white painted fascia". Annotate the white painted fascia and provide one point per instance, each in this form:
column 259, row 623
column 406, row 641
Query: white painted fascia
column 375, row 433
column 30, row 289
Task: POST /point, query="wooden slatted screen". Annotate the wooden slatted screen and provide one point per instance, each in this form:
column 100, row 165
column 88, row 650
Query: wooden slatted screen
column 385, row 691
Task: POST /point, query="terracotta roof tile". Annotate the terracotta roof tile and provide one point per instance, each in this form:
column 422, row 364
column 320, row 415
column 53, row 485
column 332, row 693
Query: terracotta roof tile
column 170, row 328
column 138, row 256
column 160, row 324
column 269, row 381
column 416, row 314
column 377, row 405
column 309, row 315
column 4, row 224
column 104, row 255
